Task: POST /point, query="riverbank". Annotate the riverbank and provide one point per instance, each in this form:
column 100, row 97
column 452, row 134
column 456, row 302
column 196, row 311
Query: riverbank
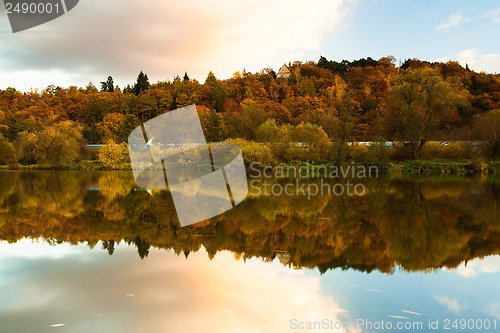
column 411, row 167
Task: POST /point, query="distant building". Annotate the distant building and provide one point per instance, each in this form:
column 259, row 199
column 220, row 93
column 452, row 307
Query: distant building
column 284, row 72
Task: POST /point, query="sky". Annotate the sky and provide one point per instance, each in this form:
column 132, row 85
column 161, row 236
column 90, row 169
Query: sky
column 168, row 38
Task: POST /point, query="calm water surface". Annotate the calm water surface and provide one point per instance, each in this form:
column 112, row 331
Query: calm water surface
column 90, row 252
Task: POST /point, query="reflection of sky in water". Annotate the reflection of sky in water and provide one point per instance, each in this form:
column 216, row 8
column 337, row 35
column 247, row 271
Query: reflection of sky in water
column 74, row 289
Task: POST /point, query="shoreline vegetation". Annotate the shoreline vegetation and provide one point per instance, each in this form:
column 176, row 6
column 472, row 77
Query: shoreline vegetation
column 416, row 118
column 306, row 170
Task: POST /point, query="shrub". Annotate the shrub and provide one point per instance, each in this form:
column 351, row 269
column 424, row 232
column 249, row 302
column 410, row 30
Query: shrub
column 357, row 153
column 114, row 156
column 378, row 153
column 435, row 150
column 255, row 152
column 454, row 151
column 476, row 166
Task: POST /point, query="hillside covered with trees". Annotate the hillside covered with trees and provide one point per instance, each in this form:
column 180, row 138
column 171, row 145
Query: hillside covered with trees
column 324, row 106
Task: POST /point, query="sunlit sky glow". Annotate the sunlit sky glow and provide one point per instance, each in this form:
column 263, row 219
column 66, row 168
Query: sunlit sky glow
column 163, row 293
column 84, row 290
column 164, row 39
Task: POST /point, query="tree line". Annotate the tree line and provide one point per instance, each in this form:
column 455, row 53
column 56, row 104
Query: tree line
column 324, row 105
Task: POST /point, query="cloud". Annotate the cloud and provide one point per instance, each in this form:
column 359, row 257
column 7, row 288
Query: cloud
column 453, row 22
column 494, row 15
column 452, row 304
column 487, row 265
column 122, row 37
column 477, row 61
column 480, row 62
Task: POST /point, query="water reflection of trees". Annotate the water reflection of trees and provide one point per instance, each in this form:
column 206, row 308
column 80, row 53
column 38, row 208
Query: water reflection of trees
column 417, row 225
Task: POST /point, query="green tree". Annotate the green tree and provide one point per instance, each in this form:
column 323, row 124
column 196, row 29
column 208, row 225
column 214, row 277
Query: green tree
column 417, row 104
column 346, row 109
column 487, row 128
column 7, row 152
column 56, row 145
column 129, row 124
column 340, row 117
column 278, row 137
column 310, row 143
column 211, row 80
column 212, row 124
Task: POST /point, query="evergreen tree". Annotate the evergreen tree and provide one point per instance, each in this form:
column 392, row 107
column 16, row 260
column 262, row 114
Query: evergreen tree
column 211, row 80
column 142, row 83
column 109, row 85
column 128, row 89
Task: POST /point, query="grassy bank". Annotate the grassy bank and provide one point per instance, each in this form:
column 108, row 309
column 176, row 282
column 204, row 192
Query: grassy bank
column 80, row 166
column 411, row 167
column 460, row 167
column 465, row 167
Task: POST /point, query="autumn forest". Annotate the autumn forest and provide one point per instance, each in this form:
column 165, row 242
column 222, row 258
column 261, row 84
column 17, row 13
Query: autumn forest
column 326, row 106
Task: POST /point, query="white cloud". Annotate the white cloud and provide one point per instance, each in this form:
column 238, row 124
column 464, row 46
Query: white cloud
column 453, row 22
column 444, row 59
column 452, row 304
column 122, row 37
column 494, row 15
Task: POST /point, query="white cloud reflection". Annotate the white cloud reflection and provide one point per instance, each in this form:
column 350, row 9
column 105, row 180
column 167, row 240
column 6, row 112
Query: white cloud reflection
column 452, row 304
column 488, row 265
column 162, row 293
column 34, row 249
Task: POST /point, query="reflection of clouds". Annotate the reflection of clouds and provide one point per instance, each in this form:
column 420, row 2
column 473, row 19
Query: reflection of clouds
column 231, row 296
column 471, row 269
column 493, row 309
column 170, row 294
column 452, row 304
column 33, row 249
